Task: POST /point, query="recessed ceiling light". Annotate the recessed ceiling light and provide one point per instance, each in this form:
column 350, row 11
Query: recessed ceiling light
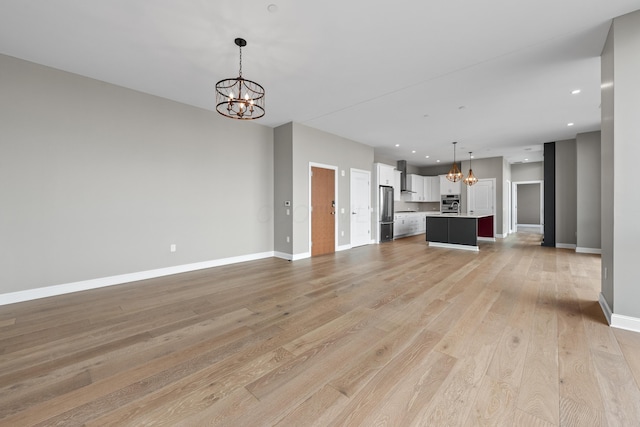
column 570, row 124
column 437, row 161
column 426, row 157
column 397, row 145
column 526, row 160
column 413, row 151
column 575, row 91
column 272, row 8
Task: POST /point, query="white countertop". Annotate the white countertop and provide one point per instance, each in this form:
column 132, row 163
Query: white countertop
column 455, row 215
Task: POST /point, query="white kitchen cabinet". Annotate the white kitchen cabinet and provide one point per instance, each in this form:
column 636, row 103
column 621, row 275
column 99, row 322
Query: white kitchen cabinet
column 435, row 189
column 424, row 188
column 397, row 193
column 422, row 226
column 414, row 224
column 385, row 174
column 415, row 184
column 431, row 189
column 409, row 224
column 448, row 187
column 400, row 225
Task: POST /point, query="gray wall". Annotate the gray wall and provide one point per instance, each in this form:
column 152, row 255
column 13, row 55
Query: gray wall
column 533, row 171
column 529, row 204
column 283, row 188
column 588, row 216
column 566, row 192
column 606, row 167
column 436, row 170
column 312, row 145
column 621, row 111
column 98, row 180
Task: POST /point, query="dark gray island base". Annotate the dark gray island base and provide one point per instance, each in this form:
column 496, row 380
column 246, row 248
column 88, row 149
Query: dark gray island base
column 459, row 231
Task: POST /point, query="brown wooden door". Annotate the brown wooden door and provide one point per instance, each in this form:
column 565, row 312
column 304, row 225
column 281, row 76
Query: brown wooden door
column 323, row 211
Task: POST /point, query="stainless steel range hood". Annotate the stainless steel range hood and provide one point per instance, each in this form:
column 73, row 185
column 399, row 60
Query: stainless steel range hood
column 402, row 167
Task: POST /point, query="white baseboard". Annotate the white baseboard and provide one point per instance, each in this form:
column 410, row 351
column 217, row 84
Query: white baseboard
column 502, row 236
column 605, row 308
column 301, row 256
column 618, row 320
column 343, row 248
column 625, row 322
column 588, row 250
column 486, row 239
column 292, row 257
column 283, row 255
column 84, row 285
column 565, row 245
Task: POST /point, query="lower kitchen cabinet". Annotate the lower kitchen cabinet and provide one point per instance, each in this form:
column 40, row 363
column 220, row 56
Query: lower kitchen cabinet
column 409, row 224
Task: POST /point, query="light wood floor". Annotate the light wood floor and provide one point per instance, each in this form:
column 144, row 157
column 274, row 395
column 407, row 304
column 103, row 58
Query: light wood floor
column 395, row 334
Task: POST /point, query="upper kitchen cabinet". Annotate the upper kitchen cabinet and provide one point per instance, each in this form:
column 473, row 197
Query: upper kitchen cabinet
column 385, row 174
column 448, row 187
column 431, row 189
column 415, row 184
column 397, row 186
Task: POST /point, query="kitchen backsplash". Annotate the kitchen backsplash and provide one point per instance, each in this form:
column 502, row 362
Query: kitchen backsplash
column 418, row 207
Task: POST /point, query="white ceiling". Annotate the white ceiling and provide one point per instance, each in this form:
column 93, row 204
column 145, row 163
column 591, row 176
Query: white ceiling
column 495, row 75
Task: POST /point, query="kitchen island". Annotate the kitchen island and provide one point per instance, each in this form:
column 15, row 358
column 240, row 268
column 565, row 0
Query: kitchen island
column 459, row 231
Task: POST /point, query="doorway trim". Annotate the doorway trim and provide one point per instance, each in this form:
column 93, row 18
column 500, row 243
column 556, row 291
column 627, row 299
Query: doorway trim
column 514, row 203
column 335, row 192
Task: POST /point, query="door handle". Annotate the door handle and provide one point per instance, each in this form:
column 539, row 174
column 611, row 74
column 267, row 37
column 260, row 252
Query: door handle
column 354, row 213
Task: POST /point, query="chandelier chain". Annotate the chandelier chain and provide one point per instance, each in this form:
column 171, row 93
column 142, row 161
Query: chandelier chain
column 240, row 72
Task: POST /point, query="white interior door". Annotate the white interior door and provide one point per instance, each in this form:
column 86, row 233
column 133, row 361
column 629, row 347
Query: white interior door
column 360, row 207
column 481, row 197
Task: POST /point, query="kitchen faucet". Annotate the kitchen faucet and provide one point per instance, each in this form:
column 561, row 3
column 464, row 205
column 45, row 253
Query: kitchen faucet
column 457, row 207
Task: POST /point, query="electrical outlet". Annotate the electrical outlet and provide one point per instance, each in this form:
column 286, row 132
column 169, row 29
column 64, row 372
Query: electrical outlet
column 288, row 211
column 288, row 239
column 342, row 233
column 605, row 272
column 173, row 248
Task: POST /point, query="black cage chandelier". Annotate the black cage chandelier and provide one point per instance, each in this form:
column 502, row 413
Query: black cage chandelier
column 240, row 98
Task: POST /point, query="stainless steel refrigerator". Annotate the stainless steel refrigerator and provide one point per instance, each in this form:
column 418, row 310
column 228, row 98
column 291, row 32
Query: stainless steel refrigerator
column 386, row 213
